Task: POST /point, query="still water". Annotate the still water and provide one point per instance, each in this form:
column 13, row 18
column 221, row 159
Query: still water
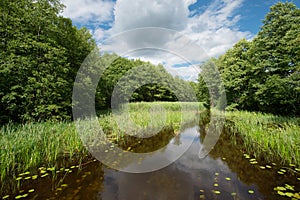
column 224, row 174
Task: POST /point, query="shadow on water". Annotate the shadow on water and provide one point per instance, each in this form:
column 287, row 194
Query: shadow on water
column 224, row 174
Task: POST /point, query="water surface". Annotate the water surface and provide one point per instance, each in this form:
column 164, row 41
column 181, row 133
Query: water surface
column 224, row 174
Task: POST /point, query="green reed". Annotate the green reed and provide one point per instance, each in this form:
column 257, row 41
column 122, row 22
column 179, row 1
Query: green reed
column 267, row 136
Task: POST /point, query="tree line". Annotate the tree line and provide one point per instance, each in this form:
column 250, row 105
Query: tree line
column 262, row 74
column 40, row 55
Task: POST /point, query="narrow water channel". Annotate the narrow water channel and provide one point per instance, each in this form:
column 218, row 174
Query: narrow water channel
column 224, row 174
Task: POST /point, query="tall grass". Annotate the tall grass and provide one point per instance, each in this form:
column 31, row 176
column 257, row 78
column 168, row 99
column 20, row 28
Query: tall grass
column 31, row 145
column 142, row 118
column 24, row 147
column 267, row 136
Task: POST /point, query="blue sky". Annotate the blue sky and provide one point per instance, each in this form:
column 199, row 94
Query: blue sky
column 214, row 25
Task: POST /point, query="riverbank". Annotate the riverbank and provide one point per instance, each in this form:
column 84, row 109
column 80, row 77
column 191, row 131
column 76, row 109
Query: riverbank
column 52, row 145
column 27, row 147
column 265, row 136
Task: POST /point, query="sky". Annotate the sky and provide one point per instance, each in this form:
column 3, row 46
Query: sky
column 197, row 29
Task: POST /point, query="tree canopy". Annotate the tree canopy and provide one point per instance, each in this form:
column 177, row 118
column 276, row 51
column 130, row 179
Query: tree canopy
column 264, row 74
column 40, row 53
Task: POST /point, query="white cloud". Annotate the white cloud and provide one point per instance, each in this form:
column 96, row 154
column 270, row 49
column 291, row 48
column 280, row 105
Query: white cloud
column 84, row 11
column 215, row 29
column 130, row 14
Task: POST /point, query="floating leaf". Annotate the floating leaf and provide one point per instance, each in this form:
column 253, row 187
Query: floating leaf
column 268, row 166
column 34, row 177
column 31, row 190
column 19, row 197
column 287, row 186
column 283, row 170
column 289, row 194
column 5, row 197
column 262, row 167
column 250, row 191
column 19, row 178
column 281, row 193
column 51, row 169
column 228, row 179
column 252, row 160
column 216, row 191
column 296, row 195
column 64, row 185
column 223, row 158
column 246, row 156
column 279, row 188
column 201, row 191
column 217, row 174
column 216, row 184
column 44, row 175
column 202, row 196
column 233, row 194
column 292, row 165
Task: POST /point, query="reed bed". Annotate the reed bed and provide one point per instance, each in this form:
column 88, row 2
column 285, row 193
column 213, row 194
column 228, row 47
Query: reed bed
column 266, row 136
column 28, row 146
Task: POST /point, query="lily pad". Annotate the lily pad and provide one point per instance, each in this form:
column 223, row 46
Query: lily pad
column 217, row 192
column 250, row 191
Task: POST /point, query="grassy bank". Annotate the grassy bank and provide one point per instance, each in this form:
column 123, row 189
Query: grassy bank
column 142, row 118
column 271, row 138
column 29, row 146
column 32, row 145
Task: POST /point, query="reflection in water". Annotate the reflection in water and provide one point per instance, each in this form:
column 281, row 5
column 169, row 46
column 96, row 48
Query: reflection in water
column 223, row 174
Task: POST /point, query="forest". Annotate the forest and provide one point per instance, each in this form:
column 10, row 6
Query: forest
column 262, row 74
column 41, row 52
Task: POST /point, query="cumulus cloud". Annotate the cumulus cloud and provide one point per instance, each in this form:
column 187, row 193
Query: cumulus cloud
column 216, row 28
column 213, row 29
column 86, row 11
column 130, row 14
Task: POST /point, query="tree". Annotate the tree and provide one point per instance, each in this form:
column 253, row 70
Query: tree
column 276, row 58
column 210, row 84
column 263, row 74
column 40, row 54
column 235, row 68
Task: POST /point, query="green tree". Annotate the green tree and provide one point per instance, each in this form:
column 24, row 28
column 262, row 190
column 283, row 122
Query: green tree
column 276, row 58
column 40, row 53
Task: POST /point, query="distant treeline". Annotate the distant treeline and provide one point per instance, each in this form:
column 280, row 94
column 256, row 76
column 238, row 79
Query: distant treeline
column 262, row 74
column 41, row 53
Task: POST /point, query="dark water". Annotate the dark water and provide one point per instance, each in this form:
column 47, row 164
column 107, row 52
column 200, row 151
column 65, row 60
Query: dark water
column 224, row 174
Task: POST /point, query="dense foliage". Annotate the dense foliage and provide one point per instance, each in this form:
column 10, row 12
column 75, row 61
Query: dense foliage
column 264, row 74
column 40, row 53
column 149, row 82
